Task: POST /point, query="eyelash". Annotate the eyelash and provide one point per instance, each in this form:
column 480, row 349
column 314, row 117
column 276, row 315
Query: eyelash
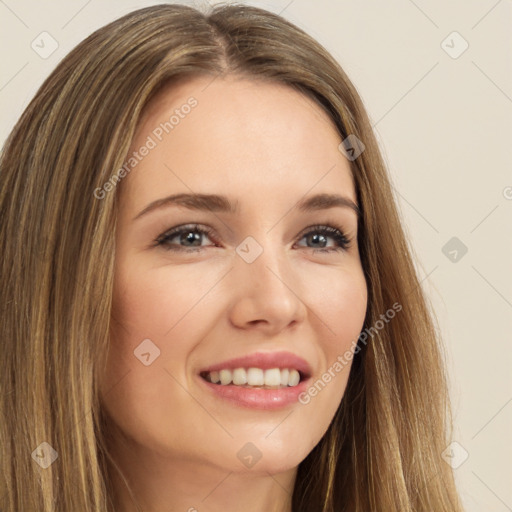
column 329, row 231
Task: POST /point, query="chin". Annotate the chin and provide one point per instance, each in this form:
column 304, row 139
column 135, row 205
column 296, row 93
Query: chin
column 268, row 458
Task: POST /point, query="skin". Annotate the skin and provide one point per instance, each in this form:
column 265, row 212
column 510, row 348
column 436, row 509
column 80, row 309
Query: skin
column 265, row 146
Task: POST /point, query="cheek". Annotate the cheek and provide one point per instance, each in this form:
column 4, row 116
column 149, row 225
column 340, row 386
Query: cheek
column 169, row 306
column 337, row 302
column 348, row 310
column 164, row 306
column 155, row 302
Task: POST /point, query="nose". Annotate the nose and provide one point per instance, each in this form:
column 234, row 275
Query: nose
column 266, row 294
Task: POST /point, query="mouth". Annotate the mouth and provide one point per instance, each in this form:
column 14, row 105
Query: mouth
column 262, row 380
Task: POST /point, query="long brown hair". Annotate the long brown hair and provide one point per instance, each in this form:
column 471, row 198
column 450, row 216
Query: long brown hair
column 382, row 451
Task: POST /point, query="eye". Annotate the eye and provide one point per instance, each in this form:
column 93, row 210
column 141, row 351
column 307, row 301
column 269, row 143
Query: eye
column 320, row 235
column 189, row 238
column 189, row 235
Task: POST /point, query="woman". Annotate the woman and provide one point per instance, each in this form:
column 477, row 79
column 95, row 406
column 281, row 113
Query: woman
column 290, row 363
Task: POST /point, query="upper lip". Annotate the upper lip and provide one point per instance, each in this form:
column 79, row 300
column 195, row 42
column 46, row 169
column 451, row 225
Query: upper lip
column 265, row 361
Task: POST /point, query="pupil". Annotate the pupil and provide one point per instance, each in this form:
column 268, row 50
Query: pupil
column 317, row 237
column 191, row 237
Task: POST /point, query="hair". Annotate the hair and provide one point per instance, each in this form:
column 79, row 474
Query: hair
column 382, row 450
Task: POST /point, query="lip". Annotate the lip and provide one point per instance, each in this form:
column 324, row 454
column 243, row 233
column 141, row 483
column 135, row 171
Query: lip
column 254, row 398
column 264, row 399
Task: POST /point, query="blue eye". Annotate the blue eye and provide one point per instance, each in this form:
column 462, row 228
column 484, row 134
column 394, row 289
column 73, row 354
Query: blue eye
column 190, row 238
column 190, row 234
column 320, row 234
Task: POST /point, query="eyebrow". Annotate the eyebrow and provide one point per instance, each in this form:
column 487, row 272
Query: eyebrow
column 218, row 203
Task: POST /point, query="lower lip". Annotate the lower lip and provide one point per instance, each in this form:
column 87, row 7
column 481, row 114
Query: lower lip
column 266, row 399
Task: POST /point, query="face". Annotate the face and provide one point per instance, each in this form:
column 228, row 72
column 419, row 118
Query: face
column 197, row 284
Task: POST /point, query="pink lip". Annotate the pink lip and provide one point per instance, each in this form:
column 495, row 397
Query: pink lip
column 254, row 398
column 265, row 399
column 265, row 361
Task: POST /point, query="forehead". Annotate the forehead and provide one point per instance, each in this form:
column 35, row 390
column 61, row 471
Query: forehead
column 217, row 135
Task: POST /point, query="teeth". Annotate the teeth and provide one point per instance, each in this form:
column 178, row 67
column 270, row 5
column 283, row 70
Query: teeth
column 255, row 377
column 273, row 377
column 294, row 378
column 240, row 376
column 225, row 377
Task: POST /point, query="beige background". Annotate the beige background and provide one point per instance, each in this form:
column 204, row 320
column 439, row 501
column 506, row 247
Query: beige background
column 445, row 128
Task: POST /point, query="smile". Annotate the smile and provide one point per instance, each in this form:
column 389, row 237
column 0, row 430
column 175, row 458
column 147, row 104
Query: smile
column 273, row 378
